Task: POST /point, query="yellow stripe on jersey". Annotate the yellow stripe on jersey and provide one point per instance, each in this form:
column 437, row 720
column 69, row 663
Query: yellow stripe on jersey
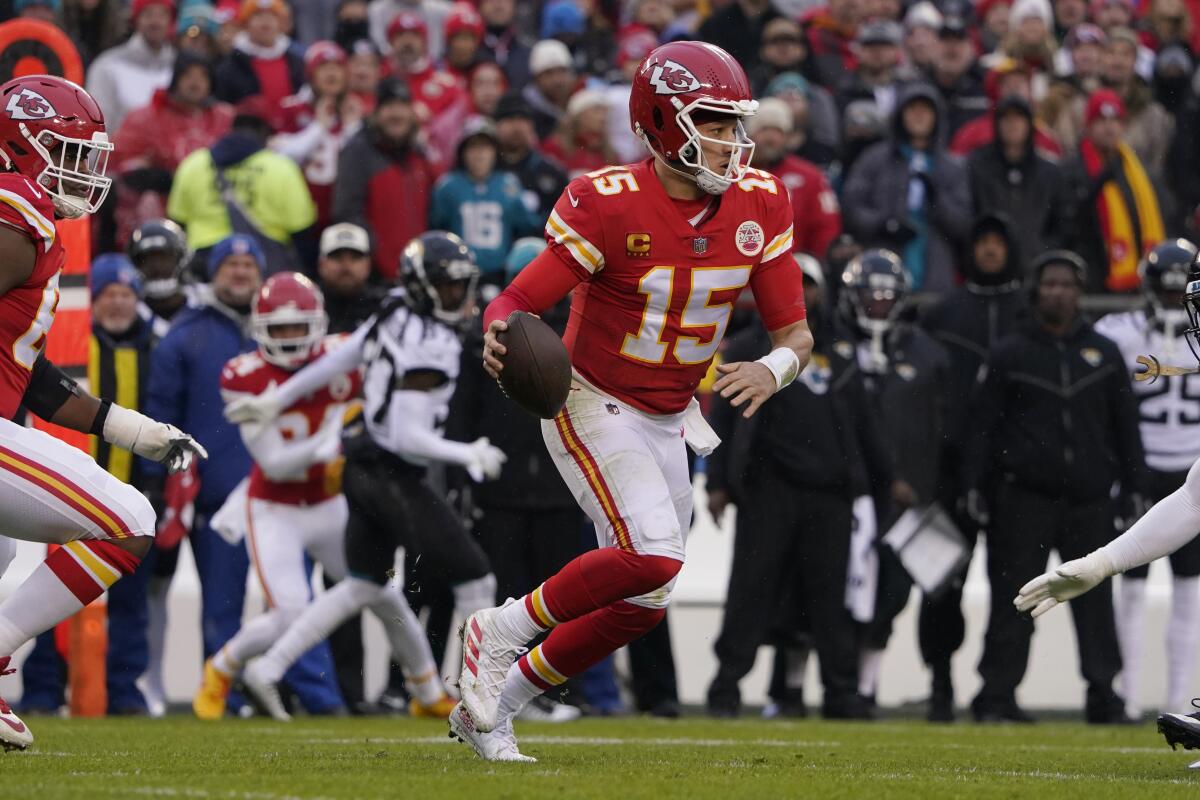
column 31, row 215
column 779, row 245
column 584, row 252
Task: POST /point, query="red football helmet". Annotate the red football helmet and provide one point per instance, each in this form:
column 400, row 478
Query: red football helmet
column 288, row 298
column 673, row 83
column 52, row 132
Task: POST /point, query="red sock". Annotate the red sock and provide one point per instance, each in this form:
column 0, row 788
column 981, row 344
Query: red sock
column 576, row 645
column 597, row 579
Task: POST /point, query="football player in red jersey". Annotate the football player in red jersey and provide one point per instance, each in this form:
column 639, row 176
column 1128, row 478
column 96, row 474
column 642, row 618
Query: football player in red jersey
column 54, row 150
column 293, row 503
column 656, row 254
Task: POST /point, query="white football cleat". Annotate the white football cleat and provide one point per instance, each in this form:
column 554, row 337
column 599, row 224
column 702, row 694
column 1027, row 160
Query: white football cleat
column 496, row 745
column 265, row 691
column 486, row 658
column 14, row 735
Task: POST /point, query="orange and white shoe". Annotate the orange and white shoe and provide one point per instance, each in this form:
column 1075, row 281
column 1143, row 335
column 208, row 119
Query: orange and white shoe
column 209, row 702
column 438, row 709
column 14, row 735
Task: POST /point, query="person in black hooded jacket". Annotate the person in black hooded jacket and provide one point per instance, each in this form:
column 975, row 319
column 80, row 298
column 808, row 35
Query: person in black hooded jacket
column 967, row 323
column 906, row 194
column 1008, row 177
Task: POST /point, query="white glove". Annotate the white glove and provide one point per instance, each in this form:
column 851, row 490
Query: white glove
column 254, row 409
column 485, row 460
column 150, row 439
column 1065, row 583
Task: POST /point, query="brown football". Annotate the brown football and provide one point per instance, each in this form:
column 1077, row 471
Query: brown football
column 537, row 369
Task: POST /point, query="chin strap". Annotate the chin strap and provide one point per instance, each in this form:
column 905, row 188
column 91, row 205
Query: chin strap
column 708, row 183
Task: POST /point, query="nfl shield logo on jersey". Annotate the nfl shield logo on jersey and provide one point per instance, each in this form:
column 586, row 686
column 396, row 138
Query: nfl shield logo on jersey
column 700, row 245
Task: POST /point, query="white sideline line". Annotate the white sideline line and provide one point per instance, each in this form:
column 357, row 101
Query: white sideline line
column 591, row 741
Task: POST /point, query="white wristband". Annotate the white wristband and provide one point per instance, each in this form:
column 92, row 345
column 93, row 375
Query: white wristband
column 784, row 365
column 123, row 426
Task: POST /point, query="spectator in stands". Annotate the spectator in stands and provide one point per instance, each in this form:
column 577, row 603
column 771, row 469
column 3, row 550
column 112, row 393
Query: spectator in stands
column 816, row 123
column 968, row 323
column 1030, row 41
column 351, row 24
column 343, row 274
column 381, row 170
column 738, row 29
column 42, row 10
column 830, row 30
column 1055, row 425
column 993, row 23
column 154, row 140
column 554, row 80
column 316, row 121
column 877, row 48
column 485, row 86
column 1149, row 128
column 313, row 20
column 543, row 181
column 596, row 49
column 1068, row 14
column 269, row 187
column 464, row 36
column 863, row 127
column 1078, row 76
column 184, row 387
column 1004, row 78
column 562, row 20
column 481, row 204
column 504, row 42
column 632, row 46
column 818, row 220
column 906, row 194
column 1113, row 215
column 363, row 70
column 434, row 91
column 922, row 24
column 792, row 471
column 263, row 62
column 125, row 77
column 94, row 26
column 432, row 12
column 197, row 30
column 581, row 142
column 782, row 50
column 1008, row 178
column 957, row 75
column 1168, row 22
column 1109, row 14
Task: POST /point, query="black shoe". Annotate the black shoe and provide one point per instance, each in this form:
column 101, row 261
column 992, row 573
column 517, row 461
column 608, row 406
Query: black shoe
column 1000, row 712
column 941, row 707
column 1107, row 710
column 723, row 703
column 1181, row 729
column 849, row 707
column 665, row 709
column 392, row 704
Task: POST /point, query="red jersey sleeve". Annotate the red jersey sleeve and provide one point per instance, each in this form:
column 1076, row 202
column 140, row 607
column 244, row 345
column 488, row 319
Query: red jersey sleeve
column 27, row 208
column 776, row 281
column 575, row 231
column 243, row 374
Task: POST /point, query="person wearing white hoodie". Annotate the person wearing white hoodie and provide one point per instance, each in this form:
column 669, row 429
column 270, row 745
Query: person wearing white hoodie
column 127, row 76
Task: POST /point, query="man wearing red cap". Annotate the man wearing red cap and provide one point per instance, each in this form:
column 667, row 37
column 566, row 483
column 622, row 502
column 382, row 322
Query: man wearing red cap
column 126, row 77
column 263, row 61
column 434, row 91
column 1113, row 216
column 433, row 12
column 464, row 34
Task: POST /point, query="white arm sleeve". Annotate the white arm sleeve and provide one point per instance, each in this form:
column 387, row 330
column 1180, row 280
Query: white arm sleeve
column 412, row 430
column 338, row 361
column 298, row 146
column 282, row 459
column 1170, row 524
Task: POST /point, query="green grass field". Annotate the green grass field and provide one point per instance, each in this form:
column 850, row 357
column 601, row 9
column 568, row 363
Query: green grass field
column 602, row 758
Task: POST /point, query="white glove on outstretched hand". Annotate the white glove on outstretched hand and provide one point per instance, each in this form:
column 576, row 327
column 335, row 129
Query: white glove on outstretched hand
column 485, row 461
column 150, row 439
column 1067, row 582
column 254, row 409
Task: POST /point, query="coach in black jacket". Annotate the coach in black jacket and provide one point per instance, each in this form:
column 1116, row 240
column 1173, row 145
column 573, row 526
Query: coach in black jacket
column 1055, row 427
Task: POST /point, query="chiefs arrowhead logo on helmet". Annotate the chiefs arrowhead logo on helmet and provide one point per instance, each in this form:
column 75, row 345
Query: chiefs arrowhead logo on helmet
column 28, row 104
column 670, row 77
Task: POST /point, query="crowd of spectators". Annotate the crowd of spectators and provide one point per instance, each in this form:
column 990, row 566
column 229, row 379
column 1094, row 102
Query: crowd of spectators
column 956, row 142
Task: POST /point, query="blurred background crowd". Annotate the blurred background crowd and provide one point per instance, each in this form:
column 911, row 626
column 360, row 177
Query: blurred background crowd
column 972, row 184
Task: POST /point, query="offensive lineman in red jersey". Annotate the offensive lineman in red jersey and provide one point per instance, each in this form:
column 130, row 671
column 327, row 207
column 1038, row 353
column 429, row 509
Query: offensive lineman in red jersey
column 53, row 152
column 656, row 254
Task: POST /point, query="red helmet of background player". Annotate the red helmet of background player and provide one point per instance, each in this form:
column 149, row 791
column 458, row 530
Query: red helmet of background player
column 52, row 132
column 680, row 85
column 288, row 298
